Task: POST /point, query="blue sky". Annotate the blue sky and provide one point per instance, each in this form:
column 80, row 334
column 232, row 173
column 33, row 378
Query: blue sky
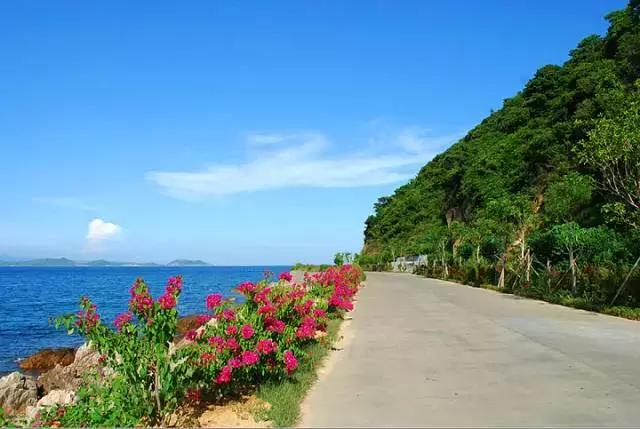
column 244, row 132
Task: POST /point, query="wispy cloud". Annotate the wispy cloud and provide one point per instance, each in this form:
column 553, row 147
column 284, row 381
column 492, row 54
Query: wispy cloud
column 287, row 160
column 64, row 202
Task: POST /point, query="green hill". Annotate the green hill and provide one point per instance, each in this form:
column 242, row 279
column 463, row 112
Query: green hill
column 562, row 153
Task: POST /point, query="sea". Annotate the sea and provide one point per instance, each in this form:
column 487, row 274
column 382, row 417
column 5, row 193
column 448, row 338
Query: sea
column 31, row 296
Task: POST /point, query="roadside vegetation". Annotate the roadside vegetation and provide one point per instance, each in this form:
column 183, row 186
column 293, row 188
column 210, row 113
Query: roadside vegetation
column 269, row 345
column 542, row 198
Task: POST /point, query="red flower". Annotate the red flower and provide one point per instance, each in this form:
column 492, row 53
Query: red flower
column 191, row 335
column 307, row 328
column 225, row 375
column 174, row 286
column 266, row 346
column 285, row 276
column 235, row 362
column 232, row 344
column 167, row 301
column 249, row 357
column 122, row 319
column 228, row 314
column 268, row 308
column 274, row 325
column 202, row 319
column 246, row 287
column 319, row 313
column 214, row 301
column 215, row 341
column 193, row 395
column 247, row 331
column 290, row 361
column 231, row 330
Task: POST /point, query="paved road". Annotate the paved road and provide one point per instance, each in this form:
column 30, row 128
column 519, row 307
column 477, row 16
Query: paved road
column 431, row 353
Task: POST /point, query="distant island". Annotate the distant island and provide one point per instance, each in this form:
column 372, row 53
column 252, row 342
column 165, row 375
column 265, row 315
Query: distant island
column 65, row 262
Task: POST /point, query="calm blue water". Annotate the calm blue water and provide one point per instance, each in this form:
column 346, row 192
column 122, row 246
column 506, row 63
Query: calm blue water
column 29, row 296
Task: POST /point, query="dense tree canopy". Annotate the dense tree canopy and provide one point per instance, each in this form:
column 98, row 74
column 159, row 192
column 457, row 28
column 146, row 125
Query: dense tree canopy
column 561, row 158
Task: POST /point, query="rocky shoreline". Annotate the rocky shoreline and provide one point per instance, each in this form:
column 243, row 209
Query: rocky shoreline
column 52, row 376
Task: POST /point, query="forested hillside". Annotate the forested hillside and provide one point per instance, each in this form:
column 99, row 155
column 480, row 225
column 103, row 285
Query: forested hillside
column 549, row 185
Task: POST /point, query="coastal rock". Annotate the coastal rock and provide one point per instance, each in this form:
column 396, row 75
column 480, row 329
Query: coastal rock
column 48, row 358
column 17, row 391
column 70, row 377
column 186, row 324
column 55, row 397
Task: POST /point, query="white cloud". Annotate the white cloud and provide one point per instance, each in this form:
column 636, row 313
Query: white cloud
column 101, row 230
column 303, row 160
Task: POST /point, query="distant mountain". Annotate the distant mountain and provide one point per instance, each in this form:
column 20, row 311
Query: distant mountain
column 44, row 262
column 187, row 262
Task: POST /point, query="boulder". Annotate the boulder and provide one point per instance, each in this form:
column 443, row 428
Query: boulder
column 55, row 397
column 187, row 323
column 70, row 377
column 48, row 358
column 17, row 392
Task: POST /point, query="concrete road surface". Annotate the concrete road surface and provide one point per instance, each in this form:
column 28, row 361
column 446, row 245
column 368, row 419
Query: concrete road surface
column 422, row 352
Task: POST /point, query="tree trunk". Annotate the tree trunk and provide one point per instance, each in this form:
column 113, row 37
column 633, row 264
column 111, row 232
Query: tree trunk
column 574, row 280
column 626, row 279
column 502, row 270
column 444, row 264
column 529, row 261
column 548, row 275
column 478, row 265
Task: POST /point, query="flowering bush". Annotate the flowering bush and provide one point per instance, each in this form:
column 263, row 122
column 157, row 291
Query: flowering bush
column 236, row 347
column 139, row 350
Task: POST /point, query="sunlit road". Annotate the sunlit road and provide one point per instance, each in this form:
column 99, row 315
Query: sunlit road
column 431, row 353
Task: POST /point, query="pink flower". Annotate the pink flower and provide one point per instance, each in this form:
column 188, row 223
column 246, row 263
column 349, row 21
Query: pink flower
column 235, row 362
column 228, row 314
column 246, row 287
column 225, row 375
column 202, row 319
column 87, row 319
column 285, row 276
column 319, row 313
column 268, row 308
column 262, row 297
column 167, row 301
column 307, row 328
column 247, row 331
column 290, row 361
column 232, row 344
column 266, row 346
column 274, row 325
column 249, row 357
column 191, row 335
column 122, row 319
column 214, row 301
column 174, row 286
column 231, row 330
column 215, row 341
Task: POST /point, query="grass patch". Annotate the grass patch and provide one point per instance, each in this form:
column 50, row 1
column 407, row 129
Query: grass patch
column 286, row 396
column 581, row 303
